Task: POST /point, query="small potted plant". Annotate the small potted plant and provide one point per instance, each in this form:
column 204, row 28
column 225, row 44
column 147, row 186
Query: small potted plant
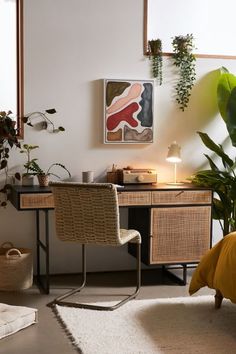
column 43, row 175
column 8, row 140
column 27, row 177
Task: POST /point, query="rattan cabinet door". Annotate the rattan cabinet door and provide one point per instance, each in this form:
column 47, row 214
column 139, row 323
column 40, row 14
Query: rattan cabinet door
column 179, row 234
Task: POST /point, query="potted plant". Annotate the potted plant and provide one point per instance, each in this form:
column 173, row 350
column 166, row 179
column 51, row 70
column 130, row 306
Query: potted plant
column 40, row 120
column 43, row 175
column 8, row 140
column 222, row 179
column 27, row 177
column 155, row 55
column 184, row 60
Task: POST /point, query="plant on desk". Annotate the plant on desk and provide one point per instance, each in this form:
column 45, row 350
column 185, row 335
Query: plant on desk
column 8, row 140
column 43, row 175
column 27, row 177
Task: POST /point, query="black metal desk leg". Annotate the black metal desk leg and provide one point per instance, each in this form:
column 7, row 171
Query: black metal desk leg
column 44, row 286
column 47, row 250
column 37, row 245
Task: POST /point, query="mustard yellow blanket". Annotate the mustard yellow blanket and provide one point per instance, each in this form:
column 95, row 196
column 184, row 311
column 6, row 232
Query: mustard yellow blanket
column 217, row 269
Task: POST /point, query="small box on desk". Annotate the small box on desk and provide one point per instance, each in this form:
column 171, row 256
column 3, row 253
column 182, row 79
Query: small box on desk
column 115, row 177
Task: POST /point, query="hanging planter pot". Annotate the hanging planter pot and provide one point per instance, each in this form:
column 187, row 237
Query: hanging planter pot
column 155, row 55
column 184, row 60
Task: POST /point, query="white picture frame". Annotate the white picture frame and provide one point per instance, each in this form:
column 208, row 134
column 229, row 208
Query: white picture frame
column 128, row 111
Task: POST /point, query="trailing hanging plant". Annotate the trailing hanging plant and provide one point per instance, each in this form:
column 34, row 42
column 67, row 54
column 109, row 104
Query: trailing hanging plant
column 41, row 120
column 184, row 60
column 155, row 55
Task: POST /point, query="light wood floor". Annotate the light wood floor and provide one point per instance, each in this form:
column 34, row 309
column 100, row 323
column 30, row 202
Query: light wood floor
column 48, row 336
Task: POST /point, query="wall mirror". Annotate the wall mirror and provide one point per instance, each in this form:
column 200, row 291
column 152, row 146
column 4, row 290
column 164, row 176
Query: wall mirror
column 212, row 25
column 11, row 60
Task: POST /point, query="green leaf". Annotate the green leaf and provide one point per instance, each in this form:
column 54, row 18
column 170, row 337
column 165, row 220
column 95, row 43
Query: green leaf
column 18, row 176
column 50, row 110
column 231, row 116
column 60, row 165
column 3, row 164
column 217, row 210
column 215, row 148
column 212, row 164
column 223, row 70
column 225, row 86
column 25, row 119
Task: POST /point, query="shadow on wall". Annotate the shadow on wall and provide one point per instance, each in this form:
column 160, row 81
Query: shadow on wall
column 201, row 113
column 203, row 102
column 201, row 110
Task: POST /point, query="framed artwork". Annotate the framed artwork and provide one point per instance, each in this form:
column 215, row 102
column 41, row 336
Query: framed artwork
column 128, row 111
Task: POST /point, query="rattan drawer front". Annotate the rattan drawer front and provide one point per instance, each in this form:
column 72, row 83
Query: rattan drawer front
column 134, row 198
column 181, row 197
column 179, row 234
column 36, row 201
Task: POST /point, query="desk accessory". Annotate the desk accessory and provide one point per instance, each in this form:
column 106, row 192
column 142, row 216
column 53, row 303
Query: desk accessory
column 88, row 176
column 138, row 176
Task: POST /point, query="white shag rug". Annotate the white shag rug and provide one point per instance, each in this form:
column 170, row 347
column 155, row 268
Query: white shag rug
column 184, row 325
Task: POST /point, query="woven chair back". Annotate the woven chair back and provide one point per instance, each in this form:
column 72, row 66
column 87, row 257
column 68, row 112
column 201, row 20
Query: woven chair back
column 86, row 213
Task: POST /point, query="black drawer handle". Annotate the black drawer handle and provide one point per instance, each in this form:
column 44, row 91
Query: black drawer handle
column 179, row 193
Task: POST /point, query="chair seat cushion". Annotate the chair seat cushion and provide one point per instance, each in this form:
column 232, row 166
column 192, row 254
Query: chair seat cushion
column 15, row 318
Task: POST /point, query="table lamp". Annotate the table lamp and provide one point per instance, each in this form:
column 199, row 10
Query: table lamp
column 174, row 157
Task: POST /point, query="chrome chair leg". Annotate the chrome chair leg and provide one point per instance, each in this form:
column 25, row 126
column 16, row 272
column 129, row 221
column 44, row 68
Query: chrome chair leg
column 59, row 300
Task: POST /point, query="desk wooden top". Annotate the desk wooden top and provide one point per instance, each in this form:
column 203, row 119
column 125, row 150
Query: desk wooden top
column 125, row 188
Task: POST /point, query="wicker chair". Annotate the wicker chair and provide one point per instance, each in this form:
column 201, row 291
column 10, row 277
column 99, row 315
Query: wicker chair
column 89, row 214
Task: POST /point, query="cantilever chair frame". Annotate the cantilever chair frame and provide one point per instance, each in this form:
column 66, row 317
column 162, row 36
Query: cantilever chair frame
column 60, row 300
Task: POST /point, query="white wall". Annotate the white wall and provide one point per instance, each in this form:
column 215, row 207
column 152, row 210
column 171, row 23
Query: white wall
column 70, row 45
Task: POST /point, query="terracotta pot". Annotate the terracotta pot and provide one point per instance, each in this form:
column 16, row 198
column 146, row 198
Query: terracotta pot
column 43, row 180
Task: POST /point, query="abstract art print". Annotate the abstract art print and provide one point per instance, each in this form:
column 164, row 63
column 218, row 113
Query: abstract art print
column 128, row 109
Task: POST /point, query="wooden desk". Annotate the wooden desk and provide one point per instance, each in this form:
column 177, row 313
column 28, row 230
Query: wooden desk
column 175, row 222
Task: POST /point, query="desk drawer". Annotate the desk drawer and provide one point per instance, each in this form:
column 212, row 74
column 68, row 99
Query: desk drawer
column 181, row 197
column 134, row 198
column 36, row 201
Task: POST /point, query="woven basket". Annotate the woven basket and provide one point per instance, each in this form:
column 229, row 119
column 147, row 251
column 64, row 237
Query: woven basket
column 16, row 267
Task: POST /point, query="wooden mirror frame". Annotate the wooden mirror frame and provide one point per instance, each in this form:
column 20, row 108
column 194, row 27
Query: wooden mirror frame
column 12, row 87
column 20, row 68
column 197, row 55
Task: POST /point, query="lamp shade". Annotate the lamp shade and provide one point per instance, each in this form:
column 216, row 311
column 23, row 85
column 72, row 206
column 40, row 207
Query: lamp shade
column 174, row 153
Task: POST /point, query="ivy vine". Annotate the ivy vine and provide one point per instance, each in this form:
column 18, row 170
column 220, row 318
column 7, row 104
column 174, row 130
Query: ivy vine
column 155, row 55
column 184, row 60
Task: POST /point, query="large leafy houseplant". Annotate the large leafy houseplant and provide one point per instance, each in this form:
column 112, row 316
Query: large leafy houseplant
column 222, row 178
column 226, row 95
column 184, row 60
column 8, row 140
